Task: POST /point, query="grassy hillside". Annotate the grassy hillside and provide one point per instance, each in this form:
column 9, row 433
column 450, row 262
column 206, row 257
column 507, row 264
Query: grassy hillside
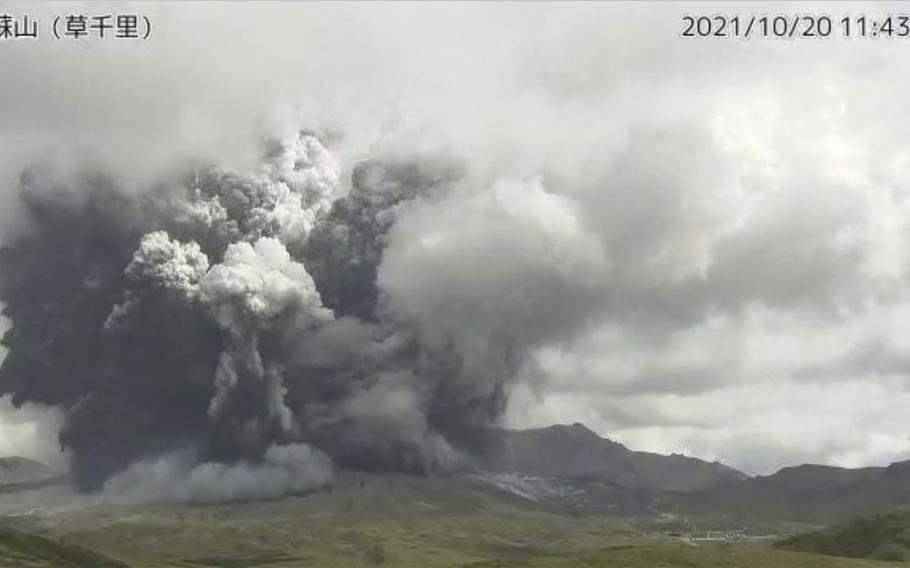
column 372, row 521
column 576, row 451
column 364, row 521
column 809, row 493
column 29, row 550
column 666, row 556
column 884, row 537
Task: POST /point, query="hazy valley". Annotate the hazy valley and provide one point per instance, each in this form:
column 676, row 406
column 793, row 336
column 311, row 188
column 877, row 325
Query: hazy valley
column 594, row 502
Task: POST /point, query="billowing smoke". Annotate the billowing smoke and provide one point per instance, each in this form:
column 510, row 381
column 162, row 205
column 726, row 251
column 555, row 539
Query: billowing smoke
column 233, row 334
column 179, row 477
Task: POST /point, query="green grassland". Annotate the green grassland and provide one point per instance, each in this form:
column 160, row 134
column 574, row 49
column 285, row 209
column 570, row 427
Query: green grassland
column 393, row 520
column 884, row 537
column 661, row 556
column 18, row 548
column 376, row 521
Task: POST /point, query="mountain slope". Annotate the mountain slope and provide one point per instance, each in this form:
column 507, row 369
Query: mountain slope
column 811, row 493
column 881, row 537
column 22, row 470
column 741, row 556
column 577, row 452
column 362, row 520
column 370, row 520
column 24, row 549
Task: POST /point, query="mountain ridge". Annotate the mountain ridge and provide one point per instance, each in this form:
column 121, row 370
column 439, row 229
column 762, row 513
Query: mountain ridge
column 16, row 470
column 572, row 465
column 575, row 451
column 808, row 492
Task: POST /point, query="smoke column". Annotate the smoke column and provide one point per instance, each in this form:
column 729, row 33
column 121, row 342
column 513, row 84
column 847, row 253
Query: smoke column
column 237, row 334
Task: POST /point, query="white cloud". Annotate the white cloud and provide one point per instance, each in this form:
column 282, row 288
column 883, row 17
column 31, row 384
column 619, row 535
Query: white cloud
column 759, row 392
column 734, row 213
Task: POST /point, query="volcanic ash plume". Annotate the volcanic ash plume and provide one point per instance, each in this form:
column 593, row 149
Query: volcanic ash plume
column 233, row 335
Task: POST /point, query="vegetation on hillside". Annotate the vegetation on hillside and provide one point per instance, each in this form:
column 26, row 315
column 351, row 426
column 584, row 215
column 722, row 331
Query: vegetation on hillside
column 19, row 548
column 883, row 537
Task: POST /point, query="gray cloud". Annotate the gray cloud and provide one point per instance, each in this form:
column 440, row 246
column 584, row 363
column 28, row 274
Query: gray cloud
column 692, row 245
column 31, row 430
column 178, row 477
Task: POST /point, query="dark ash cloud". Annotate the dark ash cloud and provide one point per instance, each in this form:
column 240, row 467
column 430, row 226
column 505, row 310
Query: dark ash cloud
column 515, row 213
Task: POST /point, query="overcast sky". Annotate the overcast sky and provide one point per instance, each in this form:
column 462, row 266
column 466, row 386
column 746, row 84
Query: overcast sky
column 740, row 209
